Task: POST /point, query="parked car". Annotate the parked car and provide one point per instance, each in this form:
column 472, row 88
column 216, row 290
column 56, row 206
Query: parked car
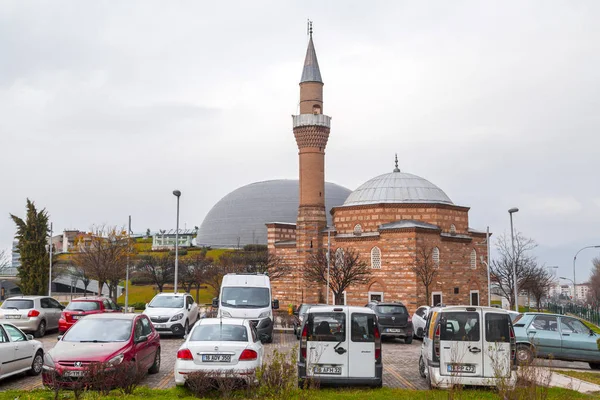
column 513, row 315
column 248, row 295
column 82, row 306
column 419, row 319
column 393, row 320
column 173, row 313
column 102, row 338
column 35, row 314
column 19, row 352
column 221, row 345
column 468, row 345
column 299, row 317
column 555, row 336
column 340, row 345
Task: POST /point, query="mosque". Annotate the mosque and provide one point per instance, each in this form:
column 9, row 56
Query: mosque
column 387, row 220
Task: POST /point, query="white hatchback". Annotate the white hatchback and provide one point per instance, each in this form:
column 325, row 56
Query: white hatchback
column 227, row 346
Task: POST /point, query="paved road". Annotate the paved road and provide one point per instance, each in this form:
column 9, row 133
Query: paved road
column 400, row 363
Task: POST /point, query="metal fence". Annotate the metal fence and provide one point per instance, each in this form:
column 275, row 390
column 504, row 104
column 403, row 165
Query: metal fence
column 584, row 312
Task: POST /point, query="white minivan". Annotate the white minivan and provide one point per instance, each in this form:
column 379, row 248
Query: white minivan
column 248, row 296
column 340, row 345
column 464, row 345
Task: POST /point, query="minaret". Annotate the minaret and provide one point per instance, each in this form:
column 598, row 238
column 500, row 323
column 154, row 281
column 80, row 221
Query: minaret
column 311, row 129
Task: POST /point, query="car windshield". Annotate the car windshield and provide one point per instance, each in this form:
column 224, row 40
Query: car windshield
column 167, row 302
column 392, row 309
column 90, row 330
column 220, row 333
column 18, row 304
column 83, row 306
column 245, row 297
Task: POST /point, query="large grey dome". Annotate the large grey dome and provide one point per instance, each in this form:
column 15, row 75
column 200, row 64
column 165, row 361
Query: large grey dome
column 242, row 214
column 397, row 187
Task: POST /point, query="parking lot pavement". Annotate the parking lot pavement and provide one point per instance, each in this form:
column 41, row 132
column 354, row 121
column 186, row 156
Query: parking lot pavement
column 400, row 363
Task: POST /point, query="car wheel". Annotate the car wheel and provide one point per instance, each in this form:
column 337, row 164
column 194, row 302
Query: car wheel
column 186, row 328
column 41, row 330
column 269, row 339
column 524, row 354
column 422, row 367
column 420, row 333
column 156, row 366
column 37, row 364
column 594, row 365
column 408, row 340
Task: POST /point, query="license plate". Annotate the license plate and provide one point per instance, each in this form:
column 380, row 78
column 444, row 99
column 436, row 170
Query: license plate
column 216, row 357
column 73, row 374
column 160, row 326
column 327, row 370
column 466, row 368
column 76, row 316
column 394, row 330
column 12, row 317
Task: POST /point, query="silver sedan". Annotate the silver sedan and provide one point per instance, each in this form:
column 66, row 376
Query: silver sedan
column 19, row 352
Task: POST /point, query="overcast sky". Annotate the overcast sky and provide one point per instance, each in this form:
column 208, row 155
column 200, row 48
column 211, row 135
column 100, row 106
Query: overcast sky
column 106, row 107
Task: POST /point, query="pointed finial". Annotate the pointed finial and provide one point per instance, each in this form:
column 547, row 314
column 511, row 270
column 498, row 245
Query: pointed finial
column 310, row 30
column 396, row 162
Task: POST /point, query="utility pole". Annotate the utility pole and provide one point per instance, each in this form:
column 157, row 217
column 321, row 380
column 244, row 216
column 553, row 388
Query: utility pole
column 328, row 257
column 127, row 268
column 50, row 272
column 487, row 241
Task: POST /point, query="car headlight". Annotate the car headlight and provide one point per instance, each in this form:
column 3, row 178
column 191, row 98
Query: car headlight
column 48, row 361
column 177, row 317
column 264, row 314
column 115, row 360
column 225, row 314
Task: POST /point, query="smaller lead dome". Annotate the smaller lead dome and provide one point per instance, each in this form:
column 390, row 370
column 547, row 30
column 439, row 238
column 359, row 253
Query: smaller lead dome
column 397, row 187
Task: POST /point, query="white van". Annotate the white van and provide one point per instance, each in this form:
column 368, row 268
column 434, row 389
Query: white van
column 340, row 345
column 248, row 296
column 465, row 345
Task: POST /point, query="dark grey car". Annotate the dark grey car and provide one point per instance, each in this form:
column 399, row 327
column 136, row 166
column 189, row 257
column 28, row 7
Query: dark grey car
column 393, row 320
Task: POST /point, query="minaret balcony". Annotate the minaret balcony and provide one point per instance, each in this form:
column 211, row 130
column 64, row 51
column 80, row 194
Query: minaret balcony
column 312, row 120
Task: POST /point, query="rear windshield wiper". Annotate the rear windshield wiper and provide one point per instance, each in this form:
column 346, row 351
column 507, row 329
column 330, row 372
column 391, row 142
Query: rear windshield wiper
column 77, row 309
column 11, row 308
column 94, row 341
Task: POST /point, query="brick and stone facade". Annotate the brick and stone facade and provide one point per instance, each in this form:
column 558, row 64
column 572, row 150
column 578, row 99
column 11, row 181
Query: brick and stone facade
column 387, row 230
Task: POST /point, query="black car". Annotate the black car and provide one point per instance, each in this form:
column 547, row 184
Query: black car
column 299, row 317
column 393, row 320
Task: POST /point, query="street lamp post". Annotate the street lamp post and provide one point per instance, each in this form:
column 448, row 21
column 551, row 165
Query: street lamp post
column 328, row 262
column 514, row 261
column 575, row 259
column 50, row 271
column 177, row 194
column 572, row 281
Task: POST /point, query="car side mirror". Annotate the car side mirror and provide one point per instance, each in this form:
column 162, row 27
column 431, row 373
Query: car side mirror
column 275, row 304
column 215, row 302
column 592, row 333
column 59, row 338
column 29, row 337
column 146, row 305
column 189, row 307
column 142, row 339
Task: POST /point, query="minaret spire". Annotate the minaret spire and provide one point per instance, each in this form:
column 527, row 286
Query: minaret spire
column 396, row 163
column 311, row 71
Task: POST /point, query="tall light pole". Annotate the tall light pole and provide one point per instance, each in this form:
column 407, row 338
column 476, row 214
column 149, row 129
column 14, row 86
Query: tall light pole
column 514, row 261
column 328, row 256
column 127, row 268
column 50, row 272
column 567, row 279
column 575, row 259
column 177, row 194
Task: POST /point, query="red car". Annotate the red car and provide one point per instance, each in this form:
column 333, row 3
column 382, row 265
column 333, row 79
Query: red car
column 83, row 306
column 109, row 339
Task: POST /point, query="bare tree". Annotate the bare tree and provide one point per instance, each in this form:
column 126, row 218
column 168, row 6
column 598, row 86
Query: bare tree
column 501, row 269
column 594, row 293
column 539, row 283
column 258, row 260
column 103, row 256
column 425, row 268
column 193, row 271
column 157, row 268
column 345, row 270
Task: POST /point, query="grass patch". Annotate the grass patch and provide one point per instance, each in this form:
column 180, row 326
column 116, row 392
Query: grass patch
column 179, row 393
column 591, row 377
column 145, row 293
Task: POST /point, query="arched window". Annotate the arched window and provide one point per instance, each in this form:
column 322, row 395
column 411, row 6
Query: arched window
column 339, row 258
column 357, row 230
column 473, row 259
column 375, row 258
column 435, row 256
column 316, row 109
column 453, row 229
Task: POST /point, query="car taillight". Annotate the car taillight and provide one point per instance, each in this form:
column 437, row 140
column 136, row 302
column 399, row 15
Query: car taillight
column 513, row 346
column 409, row 320
column 303, row 342
column 33, row 313
column 185, row 354
column 377, row 343
column 248, row 355
column 63, row 315
column 436, row 343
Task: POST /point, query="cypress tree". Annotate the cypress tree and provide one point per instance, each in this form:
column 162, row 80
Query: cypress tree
column 32, row 235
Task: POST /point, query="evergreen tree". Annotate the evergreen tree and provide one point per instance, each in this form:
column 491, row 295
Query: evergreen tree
column 32, row 235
